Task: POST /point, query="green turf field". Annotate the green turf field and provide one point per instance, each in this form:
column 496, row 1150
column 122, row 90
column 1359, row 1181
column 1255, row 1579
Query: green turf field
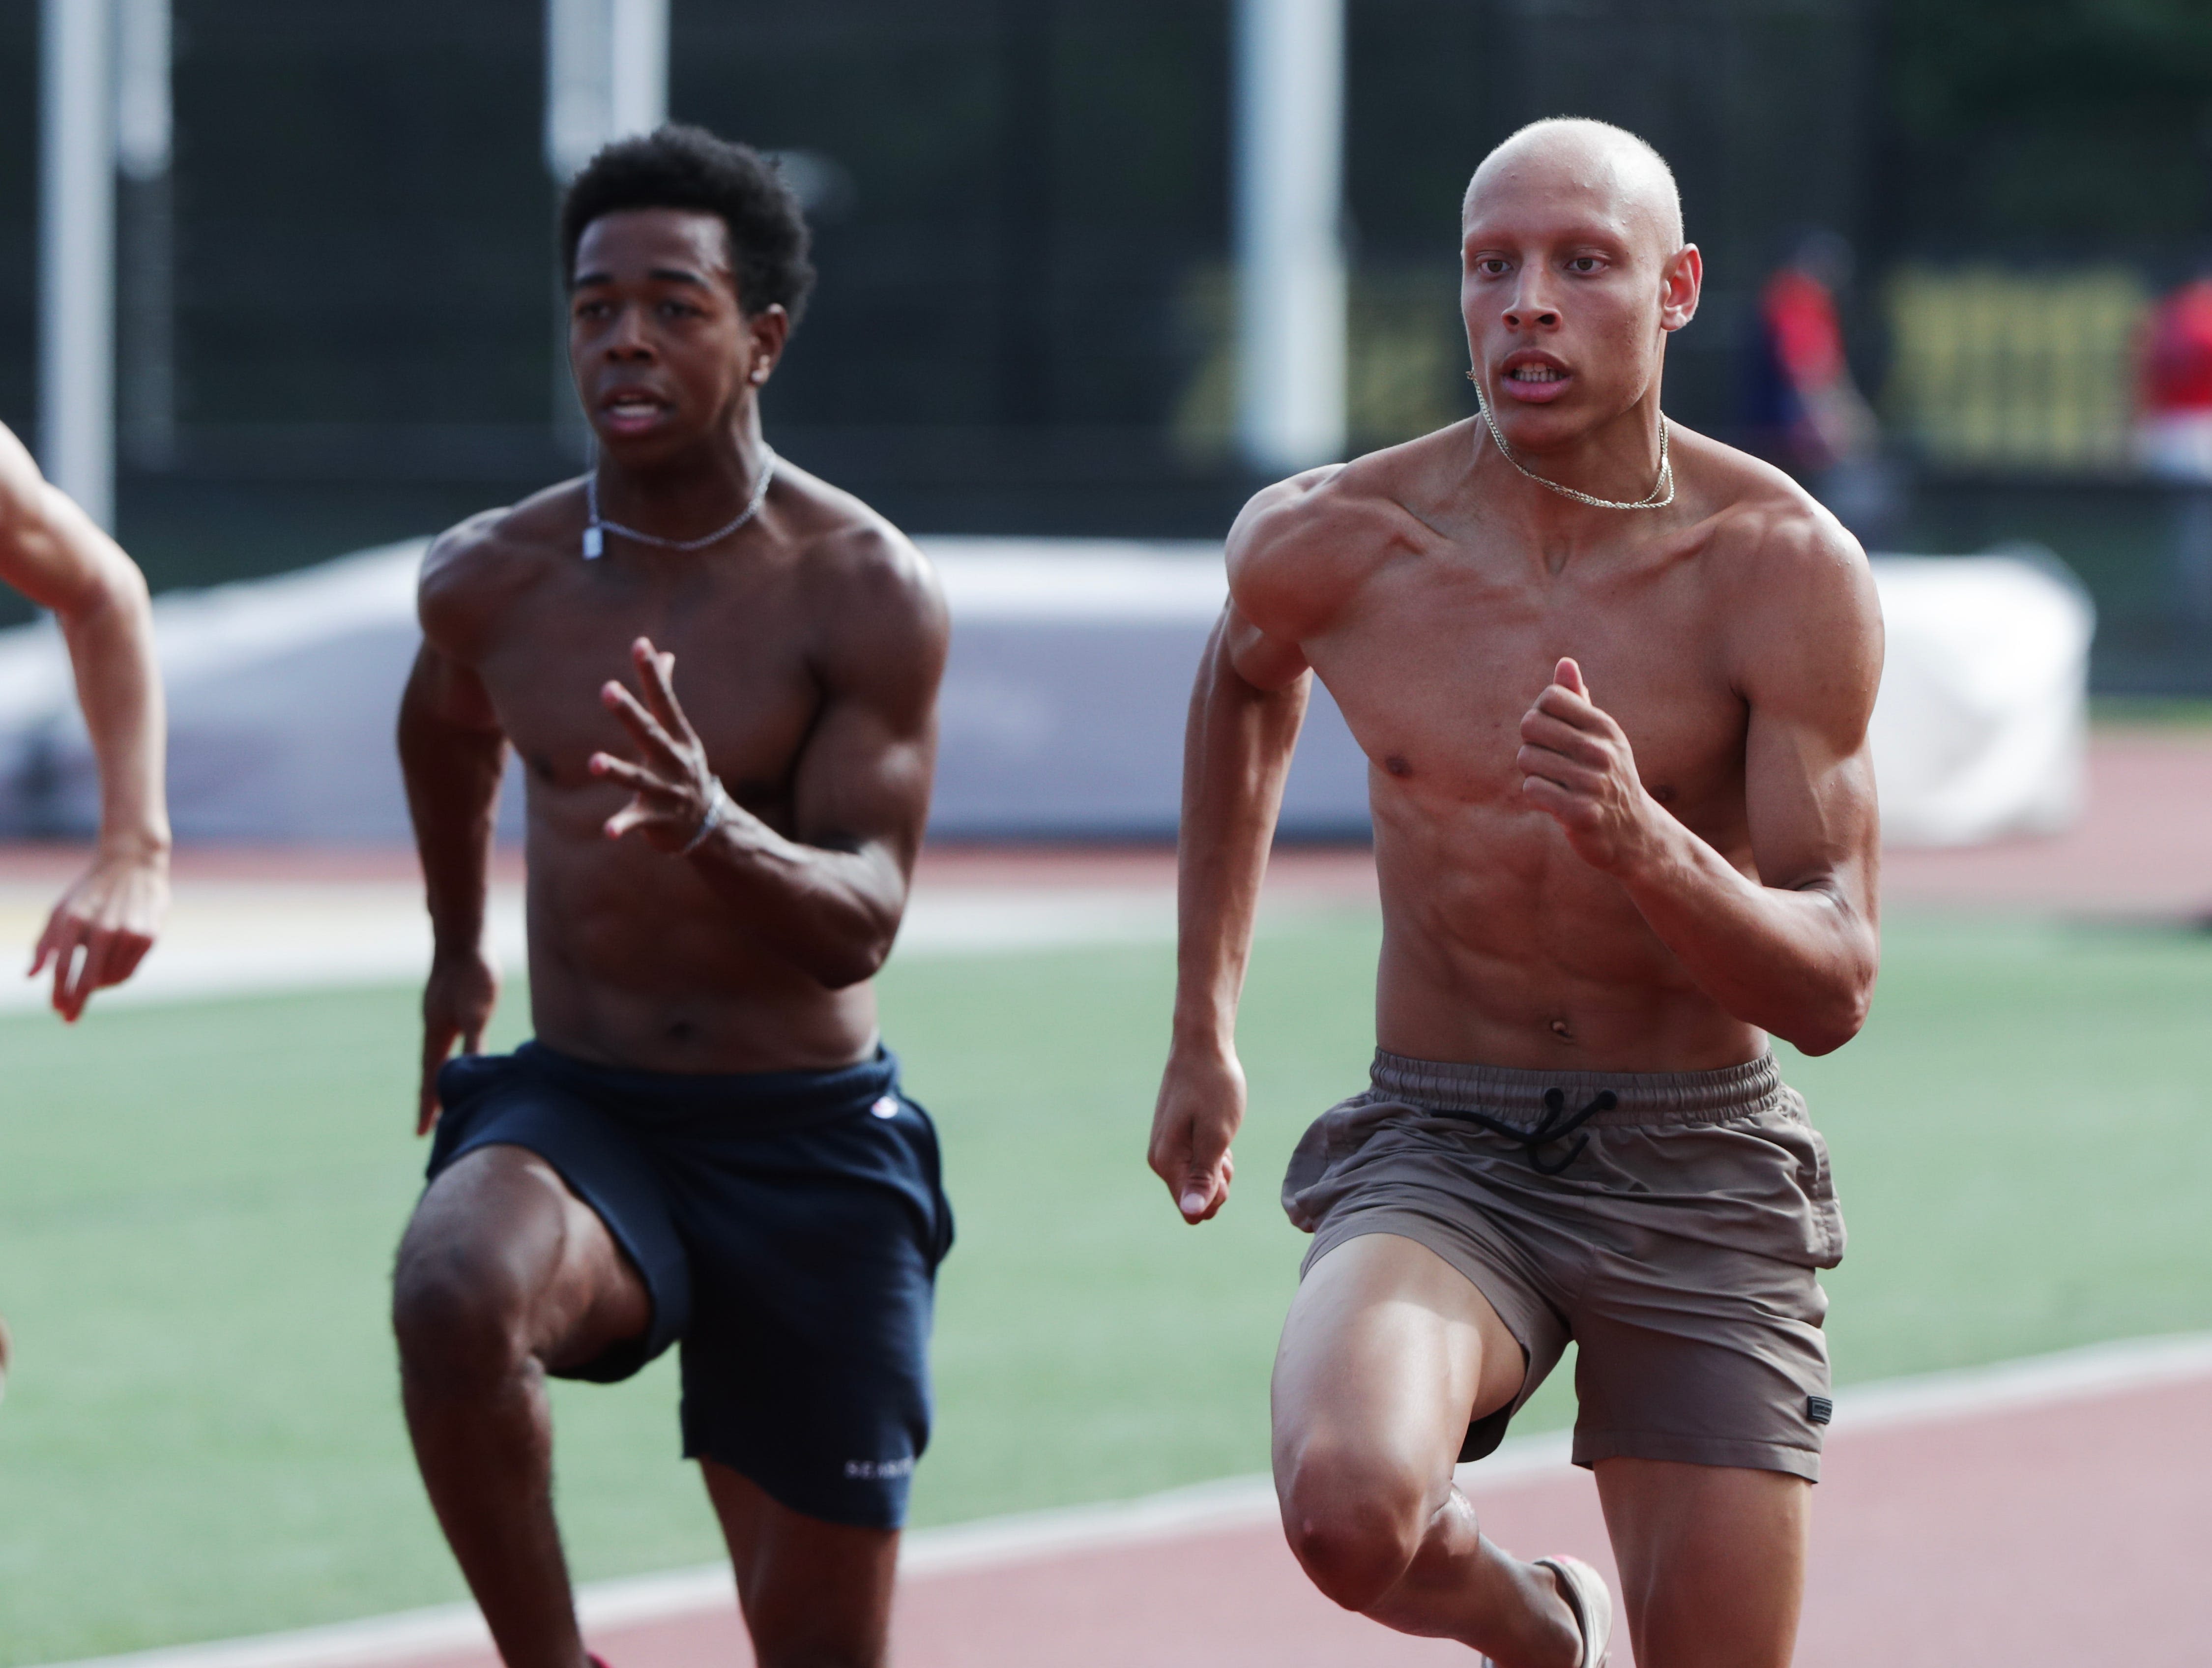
column 198, row 1206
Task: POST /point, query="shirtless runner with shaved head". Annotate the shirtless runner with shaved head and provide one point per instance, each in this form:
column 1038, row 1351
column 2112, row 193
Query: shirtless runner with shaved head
column 1613, row 680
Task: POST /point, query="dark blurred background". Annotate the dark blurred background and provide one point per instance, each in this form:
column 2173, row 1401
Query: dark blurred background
column 337, row 313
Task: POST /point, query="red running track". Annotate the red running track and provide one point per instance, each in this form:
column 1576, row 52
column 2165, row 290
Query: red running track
column 2059, row 1535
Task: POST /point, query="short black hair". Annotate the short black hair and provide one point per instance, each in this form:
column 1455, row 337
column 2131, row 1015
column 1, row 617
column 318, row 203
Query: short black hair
column 679, row 167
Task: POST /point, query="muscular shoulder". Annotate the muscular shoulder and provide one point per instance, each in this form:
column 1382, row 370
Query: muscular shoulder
column 878, row 607
column 1794, row 589
column 50, row 549
column 1302, row 547
column 473, row 571
column 31, row 557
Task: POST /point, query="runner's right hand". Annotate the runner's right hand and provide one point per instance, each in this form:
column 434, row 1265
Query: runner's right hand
column 112, row 912
column 1200, row 1108
column 457, row 1003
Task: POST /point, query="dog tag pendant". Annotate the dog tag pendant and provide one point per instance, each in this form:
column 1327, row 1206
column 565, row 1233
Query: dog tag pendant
column 594, row 542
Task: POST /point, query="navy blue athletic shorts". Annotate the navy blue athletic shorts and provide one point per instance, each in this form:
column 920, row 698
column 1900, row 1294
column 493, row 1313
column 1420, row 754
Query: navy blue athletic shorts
column 789, row 1225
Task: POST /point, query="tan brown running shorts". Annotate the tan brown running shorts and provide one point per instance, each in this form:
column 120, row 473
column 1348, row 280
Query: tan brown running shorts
column 1669, row 1222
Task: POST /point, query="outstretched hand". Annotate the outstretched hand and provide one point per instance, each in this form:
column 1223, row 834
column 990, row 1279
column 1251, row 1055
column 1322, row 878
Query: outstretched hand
column 102, row 928
column 1577, row 766
column 671, row 787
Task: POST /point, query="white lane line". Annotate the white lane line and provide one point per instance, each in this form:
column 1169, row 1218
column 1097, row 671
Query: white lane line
column 234, row 938
column 2070, row 1375
column 238, row 939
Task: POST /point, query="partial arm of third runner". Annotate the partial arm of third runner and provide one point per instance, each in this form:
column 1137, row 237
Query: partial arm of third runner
column 52, row 551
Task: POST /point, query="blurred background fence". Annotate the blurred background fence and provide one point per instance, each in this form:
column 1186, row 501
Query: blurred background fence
column 336, row 317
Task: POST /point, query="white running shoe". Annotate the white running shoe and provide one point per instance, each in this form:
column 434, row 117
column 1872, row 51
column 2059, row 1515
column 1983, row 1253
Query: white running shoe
column 1584, row 1590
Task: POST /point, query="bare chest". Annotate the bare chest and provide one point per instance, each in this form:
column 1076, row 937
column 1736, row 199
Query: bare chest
column 741, row 675
column 1436, row 661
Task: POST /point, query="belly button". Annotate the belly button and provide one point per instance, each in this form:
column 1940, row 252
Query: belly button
column 1559, row 1029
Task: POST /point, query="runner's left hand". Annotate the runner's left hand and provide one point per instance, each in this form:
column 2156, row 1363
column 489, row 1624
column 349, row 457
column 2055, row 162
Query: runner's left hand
column 1577, row 766
column 672, row 787
column 111, row 915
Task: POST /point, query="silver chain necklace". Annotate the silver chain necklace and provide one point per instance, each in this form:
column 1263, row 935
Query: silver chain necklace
column 1665, row 483
column 596, row 528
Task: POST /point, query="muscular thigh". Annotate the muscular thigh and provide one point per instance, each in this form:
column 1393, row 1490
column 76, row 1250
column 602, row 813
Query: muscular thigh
column 1711, row 1559
column 1388, row 1347
column 500, row 1229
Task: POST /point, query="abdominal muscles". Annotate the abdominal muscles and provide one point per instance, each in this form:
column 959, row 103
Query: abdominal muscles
column 1502, row 947
column 635, row 961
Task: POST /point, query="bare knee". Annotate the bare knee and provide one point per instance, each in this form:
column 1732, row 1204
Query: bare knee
column 1355, row 1519
column 459, row 1314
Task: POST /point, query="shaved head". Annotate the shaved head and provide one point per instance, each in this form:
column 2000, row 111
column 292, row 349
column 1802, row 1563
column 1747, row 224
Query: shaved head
column 1607, row 164
column 1573, row 273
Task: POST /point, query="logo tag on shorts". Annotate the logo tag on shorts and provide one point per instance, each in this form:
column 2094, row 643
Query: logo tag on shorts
column 869, row 1471
column 887, row 1107
column 1819, row 1409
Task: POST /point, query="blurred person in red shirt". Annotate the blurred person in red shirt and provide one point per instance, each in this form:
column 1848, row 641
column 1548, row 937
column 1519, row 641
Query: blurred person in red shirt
column 2173, row 432
column 2173, row 436
column 1806, row 411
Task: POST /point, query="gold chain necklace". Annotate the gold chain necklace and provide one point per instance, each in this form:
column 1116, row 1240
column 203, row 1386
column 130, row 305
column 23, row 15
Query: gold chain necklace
column 1665, row 483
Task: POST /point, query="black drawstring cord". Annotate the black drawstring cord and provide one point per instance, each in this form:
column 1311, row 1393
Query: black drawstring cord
column 1554, row 1125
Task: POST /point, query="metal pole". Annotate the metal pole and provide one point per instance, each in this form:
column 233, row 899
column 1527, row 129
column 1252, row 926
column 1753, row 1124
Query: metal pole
column 606, row 75
column 144, row 145
column 637, row 66
column 576, row 83
column 76, row 255
column 1291, row 284
column 145, row 120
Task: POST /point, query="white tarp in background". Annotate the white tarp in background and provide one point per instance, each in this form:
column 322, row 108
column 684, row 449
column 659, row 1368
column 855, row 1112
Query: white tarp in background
column 1063, row 710
column 1982, row 726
